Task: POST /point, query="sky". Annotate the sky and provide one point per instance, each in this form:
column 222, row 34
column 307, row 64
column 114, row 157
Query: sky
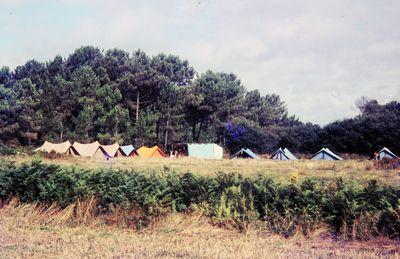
column 319, row 56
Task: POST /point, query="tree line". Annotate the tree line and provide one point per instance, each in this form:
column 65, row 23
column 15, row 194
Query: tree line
column 116, row 96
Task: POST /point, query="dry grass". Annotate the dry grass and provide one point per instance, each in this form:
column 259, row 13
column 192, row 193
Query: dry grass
column 360, row 170
column 28, row 231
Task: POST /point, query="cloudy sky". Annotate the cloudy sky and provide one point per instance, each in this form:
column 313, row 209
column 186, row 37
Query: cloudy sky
column 319, row 56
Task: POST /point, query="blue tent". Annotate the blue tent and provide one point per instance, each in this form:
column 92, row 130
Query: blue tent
column 128, row 150
column 245, row 153
column 283, row 154
column 386, row 153
column 325, row 154
column 212, row 151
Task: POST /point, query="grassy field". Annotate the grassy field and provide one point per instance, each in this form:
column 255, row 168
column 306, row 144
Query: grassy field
column 360, row 170
column 31, row 232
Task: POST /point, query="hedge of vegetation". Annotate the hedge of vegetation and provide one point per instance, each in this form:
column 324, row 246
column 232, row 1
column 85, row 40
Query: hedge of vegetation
column 348, row 209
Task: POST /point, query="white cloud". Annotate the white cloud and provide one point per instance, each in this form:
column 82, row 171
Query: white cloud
column 319, row 56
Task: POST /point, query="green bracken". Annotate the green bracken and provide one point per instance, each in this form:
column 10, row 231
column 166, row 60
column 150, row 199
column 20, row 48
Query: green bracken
column 349, row 209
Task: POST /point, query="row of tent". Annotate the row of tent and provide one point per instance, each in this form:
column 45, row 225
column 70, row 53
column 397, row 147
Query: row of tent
column 96, row 150
column 210, row 151
column 323, row 154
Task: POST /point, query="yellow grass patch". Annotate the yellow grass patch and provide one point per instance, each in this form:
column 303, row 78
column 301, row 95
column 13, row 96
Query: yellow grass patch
column 360, row 170
column 25, row 231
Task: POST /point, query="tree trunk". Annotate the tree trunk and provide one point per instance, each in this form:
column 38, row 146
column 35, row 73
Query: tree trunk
column 198, row 132
column 194, row 131
column 137, row 106
column 166, row 136
column 158, row 131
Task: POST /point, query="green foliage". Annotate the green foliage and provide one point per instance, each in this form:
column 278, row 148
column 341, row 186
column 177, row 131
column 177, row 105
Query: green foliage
column 376, row 127
column 7, row 151
column 350, row 210
column 133, row 98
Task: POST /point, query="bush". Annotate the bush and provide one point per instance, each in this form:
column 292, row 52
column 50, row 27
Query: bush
column 349, row 209
column 7, row 151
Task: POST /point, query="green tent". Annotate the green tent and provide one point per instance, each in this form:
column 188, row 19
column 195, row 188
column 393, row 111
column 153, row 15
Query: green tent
column 210, row 151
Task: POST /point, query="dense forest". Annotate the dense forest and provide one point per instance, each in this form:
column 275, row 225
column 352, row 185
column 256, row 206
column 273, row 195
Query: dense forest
column 135, row 98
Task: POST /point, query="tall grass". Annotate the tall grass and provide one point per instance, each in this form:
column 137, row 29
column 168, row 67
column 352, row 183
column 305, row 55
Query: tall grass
column 360, row 170
column 135, row 199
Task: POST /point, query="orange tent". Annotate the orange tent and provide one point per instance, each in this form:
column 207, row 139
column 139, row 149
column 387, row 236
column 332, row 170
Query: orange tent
column 148, row 152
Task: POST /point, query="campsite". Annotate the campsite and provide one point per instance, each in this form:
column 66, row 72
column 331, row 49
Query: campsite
column 199, row 129
column 196, row 192
column 184, row 208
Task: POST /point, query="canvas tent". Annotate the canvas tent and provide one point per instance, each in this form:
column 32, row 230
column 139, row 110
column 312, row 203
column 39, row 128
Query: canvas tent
column 245, row 153
column 325, row 154
column 386, row 153
column 283, row 154
column 60, row 148
column 86, row 150
column 128, row 150
column 112, row 150
column 211, row 151
column 150, row 152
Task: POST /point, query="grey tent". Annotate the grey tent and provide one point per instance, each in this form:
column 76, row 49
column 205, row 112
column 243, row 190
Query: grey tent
column 325, row 154
column 386, row 153
column 283, row 154
column 245, row 153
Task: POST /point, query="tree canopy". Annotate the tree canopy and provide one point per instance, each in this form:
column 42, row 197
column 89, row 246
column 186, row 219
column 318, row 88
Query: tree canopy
column 134, row 98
